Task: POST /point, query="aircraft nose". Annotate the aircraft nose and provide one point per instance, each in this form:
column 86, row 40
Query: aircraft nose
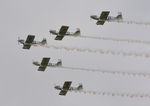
column 91, row 16
column 51, row 31
column 56, row 87
column 33, row 62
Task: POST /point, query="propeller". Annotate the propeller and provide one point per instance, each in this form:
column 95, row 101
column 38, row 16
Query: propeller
column 18, row 40
column 50, row 33
column 32, row 61
column 54, row 85
column 90, row 17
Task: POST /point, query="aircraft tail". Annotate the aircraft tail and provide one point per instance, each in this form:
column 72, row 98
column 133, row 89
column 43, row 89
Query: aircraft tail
column 80, row 87
column 59, row 63
column 119, row 16
column 44, row 41
column 77, row 32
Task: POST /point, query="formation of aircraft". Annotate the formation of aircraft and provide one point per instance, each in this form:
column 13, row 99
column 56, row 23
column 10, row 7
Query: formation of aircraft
column 45, row 63
column 59, row 36
column 64, row 32
column 104, row 16
column 30, row 41
column 67, row 87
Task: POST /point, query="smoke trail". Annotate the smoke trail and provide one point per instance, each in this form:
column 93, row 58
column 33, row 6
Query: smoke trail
column 100, row 51
column 109, row 72
column 101, row 93
column 133, row 22
column 117, row 39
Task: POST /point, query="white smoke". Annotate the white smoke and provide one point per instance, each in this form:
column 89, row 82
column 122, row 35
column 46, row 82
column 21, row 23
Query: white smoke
column 117, row 40
column 100, row 51
column 147, row 75
column 133, row 22
column 102, row 93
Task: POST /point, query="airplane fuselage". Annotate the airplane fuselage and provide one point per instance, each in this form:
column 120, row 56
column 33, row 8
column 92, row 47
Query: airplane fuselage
column 33, row 43
column 70, row 89
column 49, row 64
column 54, row 32
column 109, row 18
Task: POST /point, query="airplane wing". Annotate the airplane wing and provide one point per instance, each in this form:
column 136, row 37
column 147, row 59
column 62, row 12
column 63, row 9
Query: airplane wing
column 62, row 33
column 63, row 92
column 66, row 87
column 63, row 30
column 26, row 46
column 44, row 64
column 28, row 42
column 100, row 22
column 59, row 37
column 104, row 15
column 42, row 68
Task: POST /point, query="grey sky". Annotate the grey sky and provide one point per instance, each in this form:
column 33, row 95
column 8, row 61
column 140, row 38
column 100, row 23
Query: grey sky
column 22, row 85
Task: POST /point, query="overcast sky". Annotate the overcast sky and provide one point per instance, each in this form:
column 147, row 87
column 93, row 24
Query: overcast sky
column 22, row 85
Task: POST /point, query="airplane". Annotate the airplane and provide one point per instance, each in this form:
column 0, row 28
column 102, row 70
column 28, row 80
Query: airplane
column 30, row 41
column 104, row 17
column 63, row 32
column 67, row 87
column 45, row 63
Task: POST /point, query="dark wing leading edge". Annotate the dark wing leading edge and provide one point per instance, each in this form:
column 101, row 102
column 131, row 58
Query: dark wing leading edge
column 62, row 33
column 28, row 42
column 66, row 87
column 103, row 17
column 44, row 64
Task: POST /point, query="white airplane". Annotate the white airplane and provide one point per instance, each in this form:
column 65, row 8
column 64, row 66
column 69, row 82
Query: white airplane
column 67, row 87
column 45, row 63
column 104, row 17
column 63, row 32
column 30, row 41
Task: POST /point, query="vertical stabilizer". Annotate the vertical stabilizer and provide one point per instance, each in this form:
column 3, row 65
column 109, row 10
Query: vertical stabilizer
column 77, row 32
